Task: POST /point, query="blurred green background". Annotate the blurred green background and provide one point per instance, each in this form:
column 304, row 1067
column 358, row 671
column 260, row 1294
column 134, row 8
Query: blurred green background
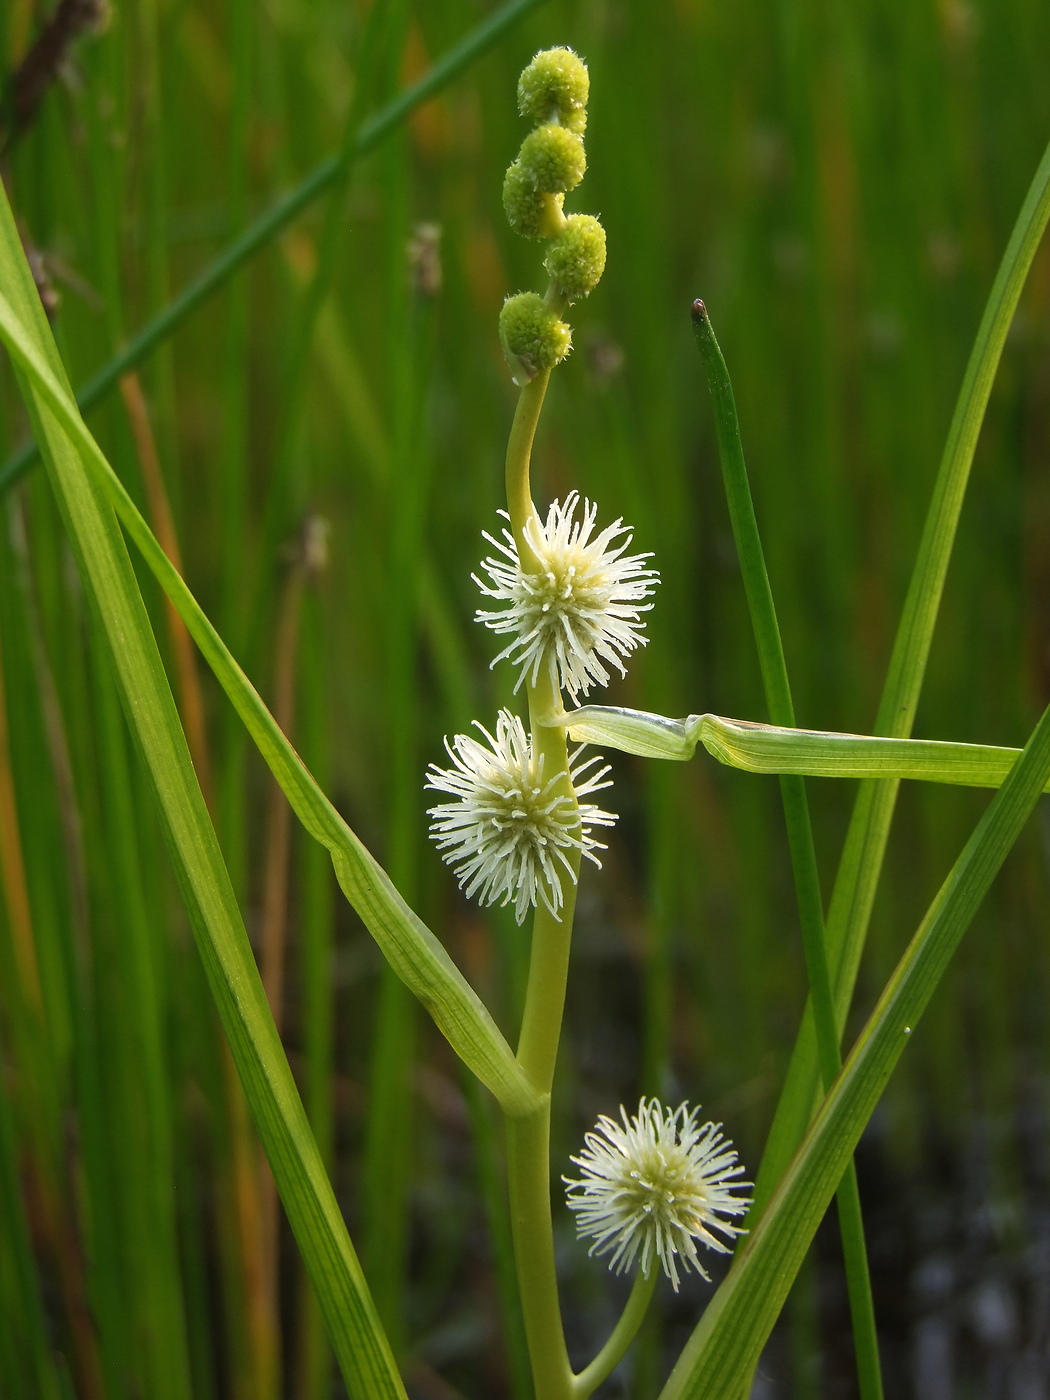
column 838, row 182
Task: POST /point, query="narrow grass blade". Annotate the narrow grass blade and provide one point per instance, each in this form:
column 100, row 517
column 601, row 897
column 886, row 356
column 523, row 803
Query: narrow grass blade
column 775, row 681
column 360, row 1344
column 727, row 1343
column 268, row 225
column 413, row 951
column 745, row 524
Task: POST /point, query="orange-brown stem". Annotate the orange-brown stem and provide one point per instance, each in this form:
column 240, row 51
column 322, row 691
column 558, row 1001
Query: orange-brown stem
column 262, row 1319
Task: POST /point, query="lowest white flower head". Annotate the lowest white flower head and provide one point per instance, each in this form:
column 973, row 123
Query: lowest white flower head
column 581, row 609
column 653, row 1185
column 508, row 834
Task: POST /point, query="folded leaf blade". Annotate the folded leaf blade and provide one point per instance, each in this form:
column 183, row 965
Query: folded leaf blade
column 769, row 748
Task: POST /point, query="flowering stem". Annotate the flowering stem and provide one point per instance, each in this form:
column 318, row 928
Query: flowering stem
column 545, row 996
column 528, row 1178
column 622, row 1336
column 519, row 455
column 528, row 1155
column 528, row 1138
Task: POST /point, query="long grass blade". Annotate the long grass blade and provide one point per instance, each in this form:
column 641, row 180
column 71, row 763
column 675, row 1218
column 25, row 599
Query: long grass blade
column 361, row 1347
column 781, row 708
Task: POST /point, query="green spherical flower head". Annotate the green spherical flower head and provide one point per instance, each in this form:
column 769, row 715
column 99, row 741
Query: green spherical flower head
column 532, row 336
column 525, row 205
column 554, row 158
column 576, row 258
column 554, row 87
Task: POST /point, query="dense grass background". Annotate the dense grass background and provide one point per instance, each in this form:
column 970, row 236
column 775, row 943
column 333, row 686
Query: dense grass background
column 838, row 183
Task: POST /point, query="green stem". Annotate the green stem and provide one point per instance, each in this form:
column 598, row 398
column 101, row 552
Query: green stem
column 519, row 456
column 622, row 1336
column 528, row 1138
column 796, row 818
column 545, row 995
column 528, row 1179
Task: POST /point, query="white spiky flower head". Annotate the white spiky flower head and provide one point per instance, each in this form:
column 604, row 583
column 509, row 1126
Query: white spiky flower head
column 654, row 1184
column 581, row 609
column 509, row 834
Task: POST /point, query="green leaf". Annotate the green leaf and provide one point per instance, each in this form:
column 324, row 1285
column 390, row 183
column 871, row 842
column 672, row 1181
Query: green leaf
column 769, row 748
column 412, row 950
column 727, row 1343
column 361, row 1347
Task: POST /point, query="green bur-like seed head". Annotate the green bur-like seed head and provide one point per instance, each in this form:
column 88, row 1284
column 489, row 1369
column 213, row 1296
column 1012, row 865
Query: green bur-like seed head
column 533, row 337
column 576, row 258
column 554, row 87
column 530, row 212
column 554, row 158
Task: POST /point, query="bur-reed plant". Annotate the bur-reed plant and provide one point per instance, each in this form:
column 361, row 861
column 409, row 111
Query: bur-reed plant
column 654, row 1181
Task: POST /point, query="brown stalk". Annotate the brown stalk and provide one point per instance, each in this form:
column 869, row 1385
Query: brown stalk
column 12, row 872
column 53, row 1228
column 42, row 64
column 247, row 1178
column 191, row 704
column 57, row 741
column 309, row 559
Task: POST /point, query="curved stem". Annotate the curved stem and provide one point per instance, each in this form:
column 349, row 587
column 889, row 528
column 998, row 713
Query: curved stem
column 519, row 456
column 623, row 1334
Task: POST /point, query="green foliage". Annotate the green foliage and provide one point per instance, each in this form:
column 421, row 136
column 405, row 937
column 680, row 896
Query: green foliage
column 840, row 192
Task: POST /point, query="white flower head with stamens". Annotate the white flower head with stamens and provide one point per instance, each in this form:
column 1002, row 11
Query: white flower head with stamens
column 509, row 834
column 581, row 609
column 653, row 1185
